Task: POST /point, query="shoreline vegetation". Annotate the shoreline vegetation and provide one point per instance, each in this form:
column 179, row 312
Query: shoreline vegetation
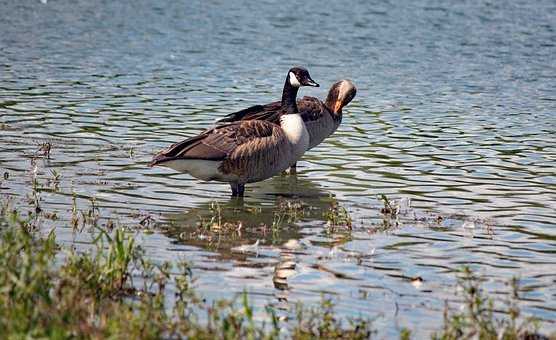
column 114, row 291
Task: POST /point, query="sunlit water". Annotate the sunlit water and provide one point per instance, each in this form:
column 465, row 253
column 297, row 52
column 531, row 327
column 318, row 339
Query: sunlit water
column 456, row 111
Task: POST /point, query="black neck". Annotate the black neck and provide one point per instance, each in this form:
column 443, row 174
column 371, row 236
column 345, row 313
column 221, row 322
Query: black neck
column 289, row 97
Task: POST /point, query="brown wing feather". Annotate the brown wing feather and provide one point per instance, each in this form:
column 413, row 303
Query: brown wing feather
column 311, row 108
column 257, row 158
column 269, row 112
column 217, row 143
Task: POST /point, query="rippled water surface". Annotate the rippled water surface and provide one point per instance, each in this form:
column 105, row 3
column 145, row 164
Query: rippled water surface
column 455, row 112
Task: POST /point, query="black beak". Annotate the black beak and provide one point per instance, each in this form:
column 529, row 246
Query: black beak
column 311, row 82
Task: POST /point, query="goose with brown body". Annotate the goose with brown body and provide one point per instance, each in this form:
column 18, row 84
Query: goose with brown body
column 245, row 151
column 321, row 118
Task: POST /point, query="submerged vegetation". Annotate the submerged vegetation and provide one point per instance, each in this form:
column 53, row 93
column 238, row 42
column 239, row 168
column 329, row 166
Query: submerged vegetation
column 114, row 290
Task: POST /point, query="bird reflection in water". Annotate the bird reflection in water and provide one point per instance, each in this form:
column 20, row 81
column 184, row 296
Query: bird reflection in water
column 246, row 230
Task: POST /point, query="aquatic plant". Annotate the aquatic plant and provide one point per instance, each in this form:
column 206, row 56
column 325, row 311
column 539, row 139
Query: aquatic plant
column 293, row 210
column 113, row 291
column 287, row 212
column 45, row 149
column 93, row 295
column 54, row 180
column 479, row 319
column 389, row 208
column 216, row 224
column 337, row 216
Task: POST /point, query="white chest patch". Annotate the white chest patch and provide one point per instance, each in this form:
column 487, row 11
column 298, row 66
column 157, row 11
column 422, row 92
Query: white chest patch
column 201, row 169
column 296, row 132
column 294, row 81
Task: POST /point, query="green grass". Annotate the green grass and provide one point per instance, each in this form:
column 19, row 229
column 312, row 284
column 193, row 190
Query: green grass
column 337, row 217
column 114, row 291
column 50, row 292
column 479, row 319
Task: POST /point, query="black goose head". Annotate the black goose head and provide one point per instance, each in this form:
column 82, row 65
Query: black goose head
column 340, row 94
column 299, row 76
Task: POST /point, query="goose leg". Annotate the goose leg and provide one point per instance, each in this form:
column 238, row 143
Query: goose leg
column 234, row 189
column 237, row 189
column 293, row 169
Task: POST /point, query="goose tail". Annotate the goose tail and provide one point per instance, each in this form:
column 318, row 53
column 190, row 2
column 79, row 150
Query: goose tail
column 159, row 158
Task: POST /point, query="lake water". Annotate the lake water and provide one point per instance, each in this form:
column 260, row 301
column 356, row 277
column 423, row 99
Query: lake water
column 455, row 111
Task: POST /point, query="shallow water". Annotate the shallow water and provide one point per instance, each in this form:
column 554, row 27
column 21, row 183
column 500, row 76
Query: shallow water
column 456, row 111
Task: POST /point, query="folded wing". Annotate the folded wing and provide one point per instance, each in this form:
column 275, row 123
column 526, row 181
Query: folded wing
column 311, row 109
column 269, row 112
column 218, row 143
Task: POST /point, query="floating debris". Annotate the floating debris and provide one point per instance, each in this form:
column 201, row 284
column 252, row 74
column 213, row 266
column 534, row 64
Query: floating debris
column 247, row 248
column 417, row 282
column 292, row 244
column 147, row 221
column 45, row 149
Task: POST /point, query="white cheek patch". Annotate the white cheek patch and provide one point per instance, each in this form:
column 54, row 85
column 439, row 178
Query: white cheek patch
column 293, row 80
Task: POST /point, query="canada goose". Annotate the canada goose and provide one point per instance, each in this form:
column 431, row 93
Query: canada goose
column 245, row 151
column 321, row 119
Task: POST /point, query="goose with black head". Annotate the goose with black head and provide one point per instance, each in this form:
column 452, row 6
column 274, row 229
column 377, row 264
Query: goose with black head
column 321, row 119
column 245, row 151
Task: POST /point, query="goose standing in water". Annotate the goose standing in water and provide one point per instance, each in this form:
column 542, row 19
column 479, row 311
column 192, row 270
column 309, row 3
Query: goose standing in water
column 321, row 119
column 246, row 151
